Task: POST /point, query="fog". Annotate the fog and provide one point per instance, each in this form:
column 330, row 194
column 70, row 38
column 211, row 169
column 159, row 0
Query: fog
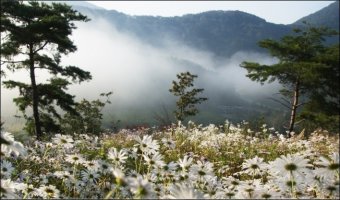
column 140, row 75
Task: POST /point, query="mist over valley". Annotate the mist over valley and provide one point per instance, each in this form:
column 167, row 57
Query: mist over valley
column 138, row 57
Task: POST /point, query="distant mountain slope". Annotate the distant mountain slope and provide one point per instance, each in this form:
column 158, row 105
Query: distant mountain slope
column 328, row 16
column 221, row 32
column 78, row 4
column 224, row 32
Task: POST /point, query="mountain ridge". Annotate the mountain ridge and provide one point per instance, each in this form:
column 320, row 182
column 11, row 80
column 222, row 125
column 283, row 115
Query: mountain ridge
column 223, row 33
column 328, row 16
column 220, row 32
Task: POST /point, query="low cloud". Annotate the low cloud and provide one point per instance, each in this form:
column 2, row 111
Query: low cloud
column 140, row 75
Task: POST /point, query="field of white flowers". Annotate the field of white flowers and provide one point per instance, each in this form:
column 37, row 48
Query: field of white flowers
column 183, row 162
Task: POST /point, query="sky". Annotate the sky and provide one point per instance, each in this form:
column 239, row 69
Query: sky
column 279, row 12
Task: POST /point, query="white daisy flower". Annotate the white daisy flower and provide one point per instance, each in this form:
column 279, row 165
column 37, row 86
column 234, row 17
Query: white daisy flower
column 170, row 168
column 229, row 192
column 132, row 173
column 85, row 137
column 291, row 187
column 230, row 182
column 92, row 165
column 254, row 166
column 211, row 187
column 289, row 165
column 168, row 143
column 64, row 175
column 89, row 176
column 330, row 189
column 160, row 191
column 80, row 186
column 223, row 169
column 104, row 167
column 248, row 190
column 42, row 178
column 6, row 169
column 132, row 153
column 9, row 189
column 185, row 162
column 201, row 169
column 125, row 193
column 268, row 192
column 141, row 188
column 154, row 160
column 14, row 147
column 48, row 192
column 184, row 191
column 75, row 159
column 65, row 141
column 312, row 181
column 118, row 157
column 119, row 177
column 153, row 177
column 330, row 167
column 48, row 145
column 147, row 144
column 7, row 136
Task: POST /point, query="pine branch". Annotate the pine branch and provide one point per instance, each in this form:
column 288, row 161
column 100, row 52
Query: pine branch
column 13, row 62
column 278, row 101
column 298, row 122
column 289, row 103
column 300, row 104
column 40, row 48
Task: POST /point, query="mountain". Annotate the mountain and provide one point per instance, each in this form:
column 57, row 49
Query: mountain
column 77, row 4
column 328, row 16
column 221, row 32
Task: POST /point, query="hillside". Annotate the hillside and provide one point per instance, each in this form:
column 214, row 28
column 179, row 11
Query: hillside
column 328, row 16
column 221, row 32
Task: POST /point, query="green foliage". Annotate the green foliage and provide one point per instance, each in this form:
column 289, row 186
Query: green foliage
column 38, row 34
column 187, row 98
column 306, row 67
column 298, row 58
column 322, row 111
column 87, row 118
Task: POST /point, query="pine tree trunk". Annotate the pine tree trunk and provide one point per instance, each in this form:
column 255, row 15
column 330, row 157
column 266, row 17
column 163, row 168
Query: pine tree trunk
column 35, row 97
column 294, row 106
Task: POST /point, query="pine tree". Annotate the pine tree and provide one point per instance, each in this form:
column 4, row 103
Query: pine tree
column 323, row 108
column 301, row 69
column 33, row 37
column 187, row 98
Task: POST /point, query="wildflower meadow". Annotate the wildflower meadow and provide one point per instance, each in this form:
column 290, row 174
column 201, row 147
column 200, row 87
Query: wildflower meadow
column 185, row 162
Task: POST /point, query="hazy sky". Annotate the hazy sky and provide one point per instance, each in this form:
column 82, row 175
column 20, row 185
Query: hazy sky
column 280, row 12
